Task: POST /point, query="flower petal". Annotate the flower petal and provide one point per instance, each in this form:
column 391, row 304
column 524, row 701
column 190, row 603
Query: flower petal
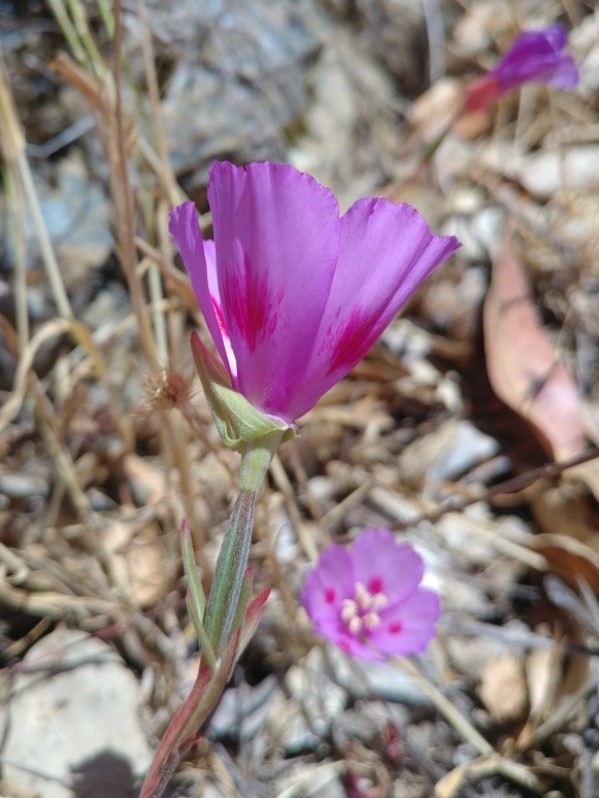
column 358, row 648
column 199, row 262
column 386, row 251
column 327, row 585
column 535, row 55
column 277, row 236
column 408, row 627
column 383, row 565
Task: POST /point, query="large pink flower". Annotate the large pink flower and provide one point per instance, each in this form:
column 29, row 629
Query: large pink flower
column 368, row 601
column 535, row 56
column 293, row 294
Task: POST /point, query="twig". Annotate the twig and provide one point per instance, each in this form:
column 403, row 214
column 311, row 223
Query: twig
column 13, row 145
column 16, row 232
column 510, row 770
column 169, row 183
column 122, row 195
column 547, row 471
column 283, row 484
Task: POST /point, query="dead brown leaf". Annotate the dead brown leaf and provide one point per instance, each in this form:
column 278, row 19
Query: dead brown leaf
column 570, row 559
column 523, row 365
column 503, row 688
column 558, row 684
column 565, row 509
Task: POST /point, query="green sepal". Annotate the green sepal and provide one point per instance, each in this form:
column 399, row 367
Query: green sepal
column 237, row 420
column 196, row 598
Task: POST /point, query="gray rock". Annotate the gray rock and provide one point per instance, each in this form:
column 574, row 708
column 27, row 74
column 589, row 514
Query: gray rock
column 302, row 717
column 71, row 723
column 240, row 77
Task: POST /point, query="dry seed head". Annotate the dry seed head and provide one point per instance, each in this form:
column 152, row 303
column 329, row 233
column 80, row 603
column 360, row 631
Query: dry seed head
column 168, row 388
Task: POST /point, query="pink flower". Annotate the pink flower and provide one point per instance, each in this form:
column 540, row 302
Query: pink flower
column 293, row 295
column 535, row 55
column 367, row 600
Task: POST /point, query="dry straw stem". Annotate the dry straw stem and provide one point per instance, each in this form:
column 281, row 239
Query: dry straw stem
column 117, row 149
column 174, row 195
column 284, row 485
column 312, row 780
column 491, row 762
column 13, row 147
column 48, row 604
column 59, row 453
column 121, row 140
column 51, row 329
column 103, row 89
column 524, row 549
column 406, row 513
column 16, row 234
column 20, row 646
column 27, row 382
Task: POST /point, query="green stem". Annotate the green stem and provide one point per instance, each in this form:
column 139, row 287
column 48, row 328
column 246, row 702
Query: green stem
column 184, row 726
column 223, row 602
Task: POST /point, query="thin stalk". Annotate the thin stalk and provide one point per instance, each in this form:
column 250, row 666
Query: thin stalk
column 175, row 441
column 107, row 16
column 68, row 30
column 16, row 232
column 168, row 177
column 61, row 457
column 79, row 17
column 157, row 303
column 13, row 145
column 184, row 726
column 122, row 197
column 223, row 602
column 512, row 770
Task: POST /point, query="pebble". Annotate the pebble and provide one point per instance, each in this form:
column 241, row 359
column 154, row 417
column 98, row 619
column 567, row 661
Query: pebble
column 71, row 723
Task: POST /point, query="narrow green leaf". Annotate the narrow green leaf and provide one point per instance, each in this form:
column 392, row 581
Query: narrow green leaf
column 196, row 598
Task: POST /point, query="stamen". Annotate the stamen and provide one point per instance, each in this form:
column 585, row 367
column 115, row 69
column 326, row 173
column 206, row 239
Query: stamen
column 379, row 602
column 363, row 597
column 361, row 614
column 349, row 611
column 371, row 621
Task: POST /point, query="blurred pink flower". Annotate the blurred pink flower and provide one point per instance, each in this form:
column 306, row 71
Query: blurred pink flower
column 368, row 601
column 293, row 294
column 535, row 55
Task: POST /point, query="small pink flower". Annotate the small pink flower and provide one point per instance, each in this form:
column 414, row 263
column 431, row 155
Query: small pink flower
column 535, row 55
column 368, row 601
column 293, row 294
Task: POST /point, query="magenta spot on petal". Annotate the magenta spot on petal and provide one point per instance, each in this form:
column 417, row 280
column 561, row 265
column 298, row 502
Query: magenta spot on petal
column 394, row 628
column 330, row 595
column 351, row 342
column 250, row 307
column 220, row 319
column 375, row 585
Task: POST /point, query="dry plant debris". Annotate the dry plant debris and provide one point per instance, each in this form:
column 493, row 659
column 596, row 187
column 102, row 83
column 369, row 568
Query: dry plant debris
column 469, row 430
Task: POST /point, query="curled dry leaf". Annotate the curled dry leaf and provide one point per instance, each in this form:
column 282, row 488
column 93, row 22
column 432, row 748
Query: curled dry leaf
column 523, row 365
column 566, row 509
column 558, row 685
column 570, row 559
